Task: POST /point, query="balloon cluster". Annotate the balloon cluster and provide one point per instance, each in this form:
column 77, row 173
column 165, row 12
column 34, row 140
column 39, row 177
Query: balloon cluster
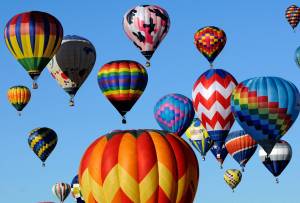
column 265, row 107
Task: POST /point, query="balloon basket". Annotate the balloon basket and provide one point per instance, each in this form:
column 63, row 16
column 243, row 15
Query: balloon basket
column 71, row 102
column 19, row 113
column 43, row 164
column 148, row 64
column 277, row 180
column 34, row 85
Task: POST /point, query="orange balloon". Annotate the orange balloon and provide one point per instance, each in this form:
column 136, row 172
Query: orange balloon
column 139, row 166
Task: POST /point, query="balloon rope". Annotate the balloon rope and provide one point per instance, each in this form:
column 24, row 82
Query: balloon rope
column 123, row 120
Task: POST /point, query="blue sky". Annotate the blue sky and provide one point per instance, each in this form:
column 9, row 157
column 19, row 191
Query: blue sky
column 259, row 42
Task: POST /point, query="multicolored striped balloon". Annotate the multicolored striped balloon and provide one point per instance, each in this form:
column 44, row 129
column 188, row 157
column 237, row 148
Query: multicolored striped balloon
column 292, row 14
column 241, row 146
column 174, row 113
column 279, row 158
column 139, row 166
column 72, row 64
column 61, row 191
column 146, row 26
column 75, row 190
column 211, row 99
column 19, row 97
column 42, row 141
column 33, row 38
column 122, row 82
column 199, row 137
column 266, row 107
column 232, row 177
column 210, row 41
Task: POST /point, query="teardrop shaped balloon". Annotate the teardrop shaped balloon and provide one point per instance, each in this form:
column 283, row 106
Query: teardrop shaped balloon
column 292, row 15
column 211, row 100
column 220, row 152
column 174, row 113
column 266, row 107
column 279, row 158
column 210, row 41
column 42, row 141
column 146, row 26
column 33, row 38
column 61, row 191
column 241, row 146
column 199, row 137
column 72, row 63
column 75, row 190
column 19, row 97
column 232, row 177
column 122, row 82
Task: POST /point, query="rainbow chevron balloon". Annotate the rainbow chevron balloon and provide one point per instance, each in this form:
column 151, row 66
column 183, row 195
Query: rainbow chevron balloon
column 139, row 166
column 266, row 107
column 174, row 113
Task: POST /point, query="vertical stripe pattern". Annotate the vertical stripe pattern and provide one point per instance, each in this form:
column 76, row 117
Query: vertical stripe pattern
column 61, row 191
column 33, row 38
column 18, row 96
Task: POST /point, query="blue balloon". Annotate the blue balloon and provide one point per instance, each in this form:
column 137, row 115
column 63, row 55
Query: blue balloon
column 297, row 56
column 174, row 113
column 220, row 152
column 266, row 107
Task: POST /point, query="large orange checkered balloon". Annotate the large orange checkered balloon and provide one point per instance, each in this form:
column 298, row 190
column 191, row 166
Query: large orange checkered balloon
column 145, row 166
column 210, row 41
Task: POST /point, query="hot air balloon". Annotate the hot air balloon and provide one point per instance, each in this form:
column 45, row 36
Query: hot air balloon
column 33, row 38
column 146, row 26
column 210, row 41
column 220, row 152
column 292, row 14
column 75, row 190
column 199, row 137
column 139, row 166
column 241, row 146
column 232, row 177
column 61, row 191
column 174, row 113
column 279, row 158
column 122, row 82
column 266, row 107
column 19, row 97
column 72, row 64
column 297, row 56
column 42, row 141
column 211, row 99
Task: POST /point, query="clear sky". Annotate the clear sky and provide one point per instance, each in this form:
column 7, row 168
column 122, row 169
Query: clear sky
column 259, row 42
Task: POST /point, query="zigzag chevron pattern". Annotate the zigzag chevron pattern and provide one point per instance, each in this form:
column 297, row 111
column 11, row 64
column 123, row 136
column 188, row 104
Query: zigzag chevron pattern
column 211, row 99
column 139, row 166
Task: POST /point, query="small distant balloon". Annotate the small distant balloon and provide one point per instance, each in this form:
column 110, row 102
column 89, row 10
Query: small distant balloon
column 61, row 191
column 292, row 15
column 210, row 41
column 19, row 97
column 42, row 141
column 232, row 177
